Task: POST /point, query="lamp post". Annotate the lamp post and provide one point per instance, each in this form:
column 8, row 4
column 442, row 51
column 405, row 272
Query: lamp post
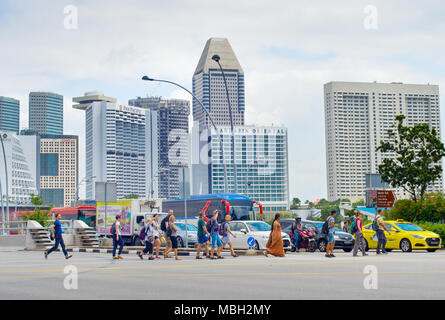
column 216, row 58
column 85, row 179
column 4, row 136
column 3, row 209
column 146, row 78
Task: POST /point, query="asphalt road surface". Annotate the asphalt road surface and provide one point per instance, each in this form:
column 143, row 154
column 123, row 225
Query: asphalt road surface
column 416, row 275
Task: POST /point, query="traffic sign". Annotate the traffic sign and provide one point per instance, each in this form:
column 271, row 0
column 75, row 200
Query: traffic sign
column 385, row 199
column 251, row 241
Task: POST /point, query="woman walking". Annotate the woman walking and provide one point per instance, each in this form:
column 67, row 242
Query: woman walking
column 148, row 240
column 156, row 235
column 172, row 234
column 275, row 243
column 226, row 238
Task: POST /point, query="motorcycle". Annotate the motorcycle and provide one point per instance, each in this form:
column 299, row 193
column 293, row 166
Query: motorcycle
column 306, row 241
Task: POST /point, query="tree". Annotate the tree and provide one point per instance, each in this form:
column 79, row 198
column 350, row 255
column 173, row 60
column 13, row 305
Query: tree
column 295, row 203
column 417, row 163
column 39, row 216
column 132, row 196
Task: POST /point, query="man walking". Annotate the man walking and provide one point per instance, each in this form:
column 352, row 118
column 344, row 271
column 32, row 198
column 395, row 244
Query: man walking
column 359, row 240
column 381, row 238
column 117, row 239
column 331, row 243
column 56, row 233
column 203, row 236
column 296, row 229
column 216, row 241
column 164, row 228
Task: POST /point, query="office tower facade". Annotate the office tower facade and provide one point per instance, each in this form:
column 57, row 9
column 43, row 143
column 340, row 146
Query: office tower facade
column 9, row 114
column 261, row 158
column 21, row 163
column 208, row 85
column 46, row 112
column 357, row 119
column 168, row 132
column 58, row 168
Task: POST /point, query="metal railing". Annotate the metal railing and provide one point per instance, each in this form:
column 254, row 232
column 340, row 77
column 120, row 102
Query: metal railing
column 14, row 228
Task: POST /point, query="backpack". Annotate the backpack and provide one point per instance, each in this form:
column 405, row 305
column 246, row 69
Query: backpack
column 354, row 226
column 222, row 229
column 163, row 223
column 113, row 229
column 143, row 233
column 169, row 231
column 375, row 225
column 325, row 227
column 209, row 226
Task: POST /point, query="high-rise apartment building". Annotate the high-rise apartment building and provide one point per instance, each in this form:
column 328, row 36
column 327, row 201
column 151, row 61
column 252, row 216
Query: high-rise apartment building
column 9, row 114
column 168, row 119
column 357, row 118
column 115, row 145
column 208, row 85
column 46, row 112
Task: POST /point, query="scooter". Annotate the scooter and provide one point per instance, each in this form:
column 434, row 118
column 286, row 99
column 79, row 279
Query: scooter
column 306, row 241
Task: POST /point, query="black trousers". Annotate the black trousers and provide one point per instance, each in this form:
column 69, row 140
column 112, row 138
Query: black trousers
column 381, row 241
column 148, row 247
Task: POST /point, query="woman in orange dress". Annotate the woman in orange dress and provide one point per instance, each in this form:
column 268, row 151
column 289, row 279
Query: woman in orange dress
column 275, row 243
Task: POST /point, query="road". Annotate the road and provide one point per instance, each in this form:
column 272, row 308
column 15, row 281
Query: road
column 417, row 275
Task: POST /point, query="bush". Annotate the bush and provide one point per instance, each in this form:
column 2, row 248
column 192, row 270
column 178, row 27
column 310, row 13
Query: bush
column 41, row 217
column 431, row 209
column 438, row 228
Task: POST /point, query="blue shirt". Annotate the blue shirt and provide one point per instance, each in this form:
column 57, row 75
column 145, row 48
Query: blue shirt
column 57, row 227
column 331, row 229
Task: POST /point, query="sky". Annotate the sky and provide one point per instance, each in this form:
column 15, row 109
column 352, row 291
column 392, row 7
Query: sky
column 288, row 50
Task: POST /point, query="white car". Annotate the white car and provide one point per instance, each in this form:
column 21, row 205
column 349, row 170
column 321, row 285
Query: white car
column 258, row 230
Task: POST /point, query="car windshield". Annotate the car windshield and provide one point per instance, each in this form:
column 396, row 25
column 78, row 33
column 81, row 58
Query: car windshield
column 258, row 226
column 190, row 227
column 408, row 227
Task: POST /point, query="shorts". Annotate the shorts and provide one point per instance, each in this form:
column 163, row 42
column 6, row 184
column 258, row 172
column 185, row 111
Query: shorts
column 168, row 240
column 226, row 239
column 330, row 237
column 216, row 241
column 174, row 242
column 203, row 239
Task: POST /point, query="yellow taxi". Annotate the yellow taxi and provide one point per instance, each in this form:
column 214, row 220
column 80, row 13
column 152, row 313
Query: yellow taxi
column 405, row 236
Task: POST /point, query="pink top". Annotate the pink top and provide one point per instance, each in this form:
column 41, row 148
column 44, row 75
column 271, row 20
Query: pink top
column 358, row 222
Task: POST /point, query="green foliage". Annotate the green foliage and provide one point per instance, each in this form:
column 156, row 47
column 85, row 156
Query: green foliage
column 295, row 203
column 41, row 216
column 132, row 196
column 418, row 154
column 434, row 227
column 431, row 209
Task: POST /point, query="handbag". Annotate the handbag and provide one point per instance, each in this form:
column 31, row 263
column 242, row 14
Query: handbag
column 162, row 239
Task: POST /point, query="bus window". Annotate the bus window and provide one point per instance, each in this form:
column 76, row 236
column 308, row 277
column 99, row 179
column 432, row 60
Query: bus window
column 240, row 213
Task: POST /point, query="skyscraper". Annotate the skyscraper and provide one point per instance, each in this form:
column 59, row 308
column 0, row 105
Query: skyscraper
column 115, row 145
column 357, row 118
column 169, row 127
column 208, row 85
column 46, row 112
column 9, row 114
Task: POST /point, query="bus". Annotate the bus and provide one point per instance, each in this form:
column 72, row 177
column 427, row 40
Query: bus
column 86, row 214
column 238, row 206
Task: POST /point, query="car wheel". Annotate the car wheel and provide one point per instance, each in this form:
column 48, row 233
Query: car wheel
column 137, row 242
column 180, row 242
column 347, row 250
column 431, row 250
column 322, row 245
column 405, row 245
column 257, row 245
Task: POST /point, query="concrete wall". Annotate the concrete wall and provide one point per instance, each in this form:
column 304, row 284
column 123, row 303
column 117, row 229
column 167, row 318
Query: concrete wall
column 12, row 241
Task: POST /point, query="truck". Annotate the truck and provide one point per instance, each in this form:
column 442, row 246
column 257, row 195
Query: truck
column 134, row 213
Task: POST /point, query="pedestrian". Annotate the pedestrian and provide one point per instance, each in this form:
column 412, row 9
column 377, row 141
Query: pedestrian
column 331, row 242
column 212, row 226
column 359, row 240
column 164, row 228
column 296, row 229
column 226, row 238
column 381, row 238
column 56, row 233
column 117, row 239
column 274, row 244
column 156, row 235
column 148, row 240
column 172, row 234
column 203, row 236
column 346, row 226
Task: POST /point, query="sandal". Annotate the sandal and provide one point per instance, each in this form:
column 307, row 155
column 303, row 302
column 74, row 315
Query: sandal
column 198, row 257
column 219, row 257
column 141, row 256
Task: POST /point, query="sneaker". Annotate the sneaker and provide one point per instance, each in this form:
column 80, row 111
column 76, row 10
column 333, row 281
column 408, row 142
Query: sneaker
column 115, row 258
column 68, row 256
column 332, row 255
column 198, row 257
column 120, row 257
column 219, row 257
column 151, row 258
column 141, row 256
column 327, row 256
column 235, row 256
column 385, row 252
column 46, row 255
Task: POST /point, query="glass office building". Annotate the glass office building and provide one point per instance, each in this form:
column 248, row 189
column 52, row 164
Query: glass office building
column 261, row 159
column 46, row 112
column 9, row 114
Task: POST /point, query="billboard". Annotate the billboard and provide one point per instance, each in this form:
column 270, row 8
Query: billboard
column 104, row 220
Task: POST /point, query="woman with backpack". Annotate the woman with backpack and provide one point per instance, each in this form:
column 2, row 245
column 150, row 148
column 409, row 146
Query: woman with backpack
column 148, row 228
column 212, row 227
column 225, row 231
column 157, row 234
column 275, row 243
column 172, row 234
column 357, row 228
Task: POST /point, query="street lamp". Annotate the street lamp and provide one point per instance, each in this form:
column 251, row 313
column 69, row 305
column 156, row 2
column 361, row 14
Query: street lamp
column 4, row 136
column 85, row 179
column 216, row 58
column 146, row 78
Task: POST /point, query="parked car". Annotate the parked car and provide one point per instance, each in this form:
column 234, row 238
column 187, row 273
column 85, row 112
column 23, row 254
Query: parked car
column 405, row 236
column 259, row 230
column 343, row 240
column 192, row 234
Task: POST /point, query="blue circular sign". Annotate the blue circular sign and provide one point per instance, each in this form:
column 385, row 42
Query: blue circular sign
column 251, row 241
